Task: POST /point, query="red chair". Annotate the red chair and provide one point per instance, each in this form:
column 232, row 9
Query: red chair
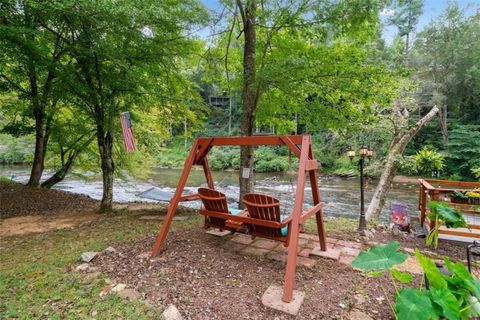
column 214, row 201
column 264, row 207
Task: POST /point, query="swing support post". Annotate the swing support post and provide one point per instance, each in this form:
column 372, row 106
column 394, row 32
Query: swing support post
column 300, row 146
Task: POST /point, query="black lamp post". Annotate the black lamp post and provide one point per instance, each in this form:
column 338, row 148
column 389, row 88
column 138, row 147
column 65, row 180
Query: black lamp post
column 364, row 152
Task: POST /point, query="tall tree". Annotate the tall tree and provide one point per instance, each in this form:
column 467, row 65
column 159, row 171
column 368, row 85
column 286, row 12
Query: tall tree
column 261, row 32
column 31, row 65
column 406, row 14
column 124, row 52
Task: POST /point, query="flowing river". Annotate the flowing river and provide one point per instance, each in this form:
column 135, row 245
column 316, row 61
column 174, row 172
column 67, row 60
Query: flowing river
column 341, row 196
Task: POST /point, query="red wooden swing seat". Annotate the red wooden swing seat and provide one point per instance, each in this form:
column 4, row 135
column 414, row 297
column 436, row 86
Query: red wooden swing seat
column 263, row 207
column 215, row 201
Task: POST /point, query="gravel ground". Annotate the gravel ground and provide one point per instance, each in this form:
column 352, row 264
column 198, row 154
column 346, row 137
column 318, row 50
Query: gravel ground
column 206, row 279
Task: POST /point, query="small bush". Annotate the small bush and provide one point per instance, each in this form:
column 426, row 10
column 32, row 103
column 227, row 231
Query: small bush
column 429, row 159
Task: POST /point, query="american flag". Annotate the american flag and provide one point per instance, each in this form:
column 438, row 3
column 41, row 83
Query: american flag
column 127, row 131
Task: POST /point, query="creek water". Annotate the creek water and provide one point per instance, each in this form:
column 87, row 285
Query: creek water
column 340, row 195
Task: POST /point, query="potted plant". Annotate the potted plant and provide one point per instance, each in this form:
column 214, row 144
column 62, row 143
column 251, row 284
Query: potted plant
column 458, row 197
column 473, row 197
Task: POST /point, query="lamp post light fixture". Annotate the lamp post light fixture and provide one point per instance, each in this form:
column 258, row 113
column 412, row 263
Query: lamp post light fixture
column 364, row 152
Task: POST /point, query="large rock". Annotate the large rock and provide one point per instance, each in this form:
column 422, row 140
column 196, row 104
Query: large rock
column 172, row 313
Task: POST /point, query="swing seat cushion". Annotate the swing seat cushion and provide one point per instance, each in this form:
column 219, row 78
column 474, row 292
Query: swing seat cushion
column 234, row 211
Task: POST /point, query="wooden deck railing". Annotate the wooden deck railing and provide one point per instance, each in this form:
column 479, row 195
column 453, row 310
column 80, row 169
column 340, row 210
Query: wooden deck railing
column 441, row 191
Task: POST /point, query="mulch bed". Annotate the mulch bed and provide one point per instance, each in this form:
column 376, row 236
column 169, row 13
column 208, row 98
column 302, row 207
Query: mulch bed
column 455, row 250
column 206, row 279
column 18, row 200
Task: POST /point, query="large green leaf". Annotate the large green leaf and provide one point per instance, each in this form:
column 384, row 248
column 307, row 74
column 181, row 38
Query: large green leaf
column 432, row 272
column 414, row 304
column 447, row 302
column 380, row 257
column 461, row 273
column 452, row 218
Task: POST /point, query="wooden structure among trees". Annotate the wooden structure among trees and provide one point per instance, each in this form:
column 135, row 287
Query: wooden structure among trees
column 301, row 146
column 442, row 191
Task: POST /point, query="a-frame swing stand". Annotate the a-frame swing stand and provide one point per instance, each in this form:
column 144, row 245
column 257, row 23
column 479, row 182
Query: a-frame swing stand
column 301, row 146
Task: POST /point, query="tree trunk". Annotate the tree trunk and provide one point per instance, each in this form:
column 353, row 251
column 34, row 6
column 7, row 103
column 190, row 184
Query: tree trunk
column 39, row 156
column 398, row 145
column 443, row 125
column 105, row 145
column 75, row 151
column 42, row 133
column 249, row 96
column 62, row 172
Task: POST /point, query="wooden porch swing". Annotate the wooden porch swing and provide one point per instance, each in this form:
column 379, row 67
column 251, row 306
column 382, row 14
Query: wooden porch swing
column 261, row 218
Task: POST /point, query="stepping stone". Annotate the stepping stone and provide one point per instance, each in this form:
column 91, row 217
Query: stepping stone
column 265, row 244
column 333, row 254
column 309, row 236
column 349, row 244
column 218, row 232
column 233, row 246
column 350, row 251
column 254, row 251
column 306, row 262
column 281, row 257
column 305, row 252
column 347, row 260
column 272, row 298
column 242, row 238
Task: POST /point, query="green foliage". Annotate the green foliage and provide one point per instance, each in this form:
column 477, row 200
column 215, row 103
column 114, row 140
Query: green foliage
column 452, row 296
column 464, row 150
column 407, row 165
column 476, row 172
column 427, row 160
column 414, row 304
column 450, row 217
column 15, row 150
column 381, row 257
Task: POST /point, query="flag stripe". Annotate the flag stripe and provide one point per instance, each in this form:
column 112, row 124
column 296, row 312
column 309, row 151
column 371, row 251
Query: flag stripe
column 127, row 131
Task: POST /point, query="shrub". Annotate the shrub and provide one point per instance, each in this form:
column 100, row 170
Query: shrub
column 454, row 296
column 407, row 165
column 429, row 159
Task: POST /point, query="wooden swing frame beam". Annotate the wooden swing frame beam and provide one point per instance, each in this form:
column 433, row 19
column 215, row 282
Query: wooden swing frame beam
column 301, row 146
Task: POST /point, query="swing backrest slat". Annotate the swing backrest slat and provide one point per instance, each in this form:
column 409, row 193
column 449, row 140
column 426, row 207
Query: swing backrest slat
column 213, row 200
column 263, row 207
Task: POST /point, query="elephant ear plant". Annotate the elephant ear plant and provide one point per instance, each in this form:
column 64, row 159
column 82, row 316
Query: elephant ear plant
column 453, row 296
column 443, row 214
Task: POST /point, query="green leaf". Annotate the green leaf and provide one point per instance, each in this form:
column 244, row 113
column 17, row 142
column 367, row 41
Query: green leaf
column 447, row 302
column 375, row 274
column 403, row 277
column 432, row 272
column 461, row 273
column 380, row 257
column 414, row 304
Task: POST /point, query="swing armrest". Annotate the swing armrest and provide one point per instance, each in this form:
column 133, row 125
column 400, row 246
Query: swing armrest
column 307, row 214
column 286, row 221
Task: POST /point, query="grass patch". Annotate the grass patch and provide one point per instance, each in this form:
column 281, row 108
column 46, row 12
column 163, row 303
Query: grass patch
column 36, row 280
column 344, row 228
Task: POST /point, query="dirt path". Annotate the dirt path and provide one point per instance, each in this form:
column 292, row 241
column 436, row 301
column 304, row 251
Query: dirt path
column 35, row 224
